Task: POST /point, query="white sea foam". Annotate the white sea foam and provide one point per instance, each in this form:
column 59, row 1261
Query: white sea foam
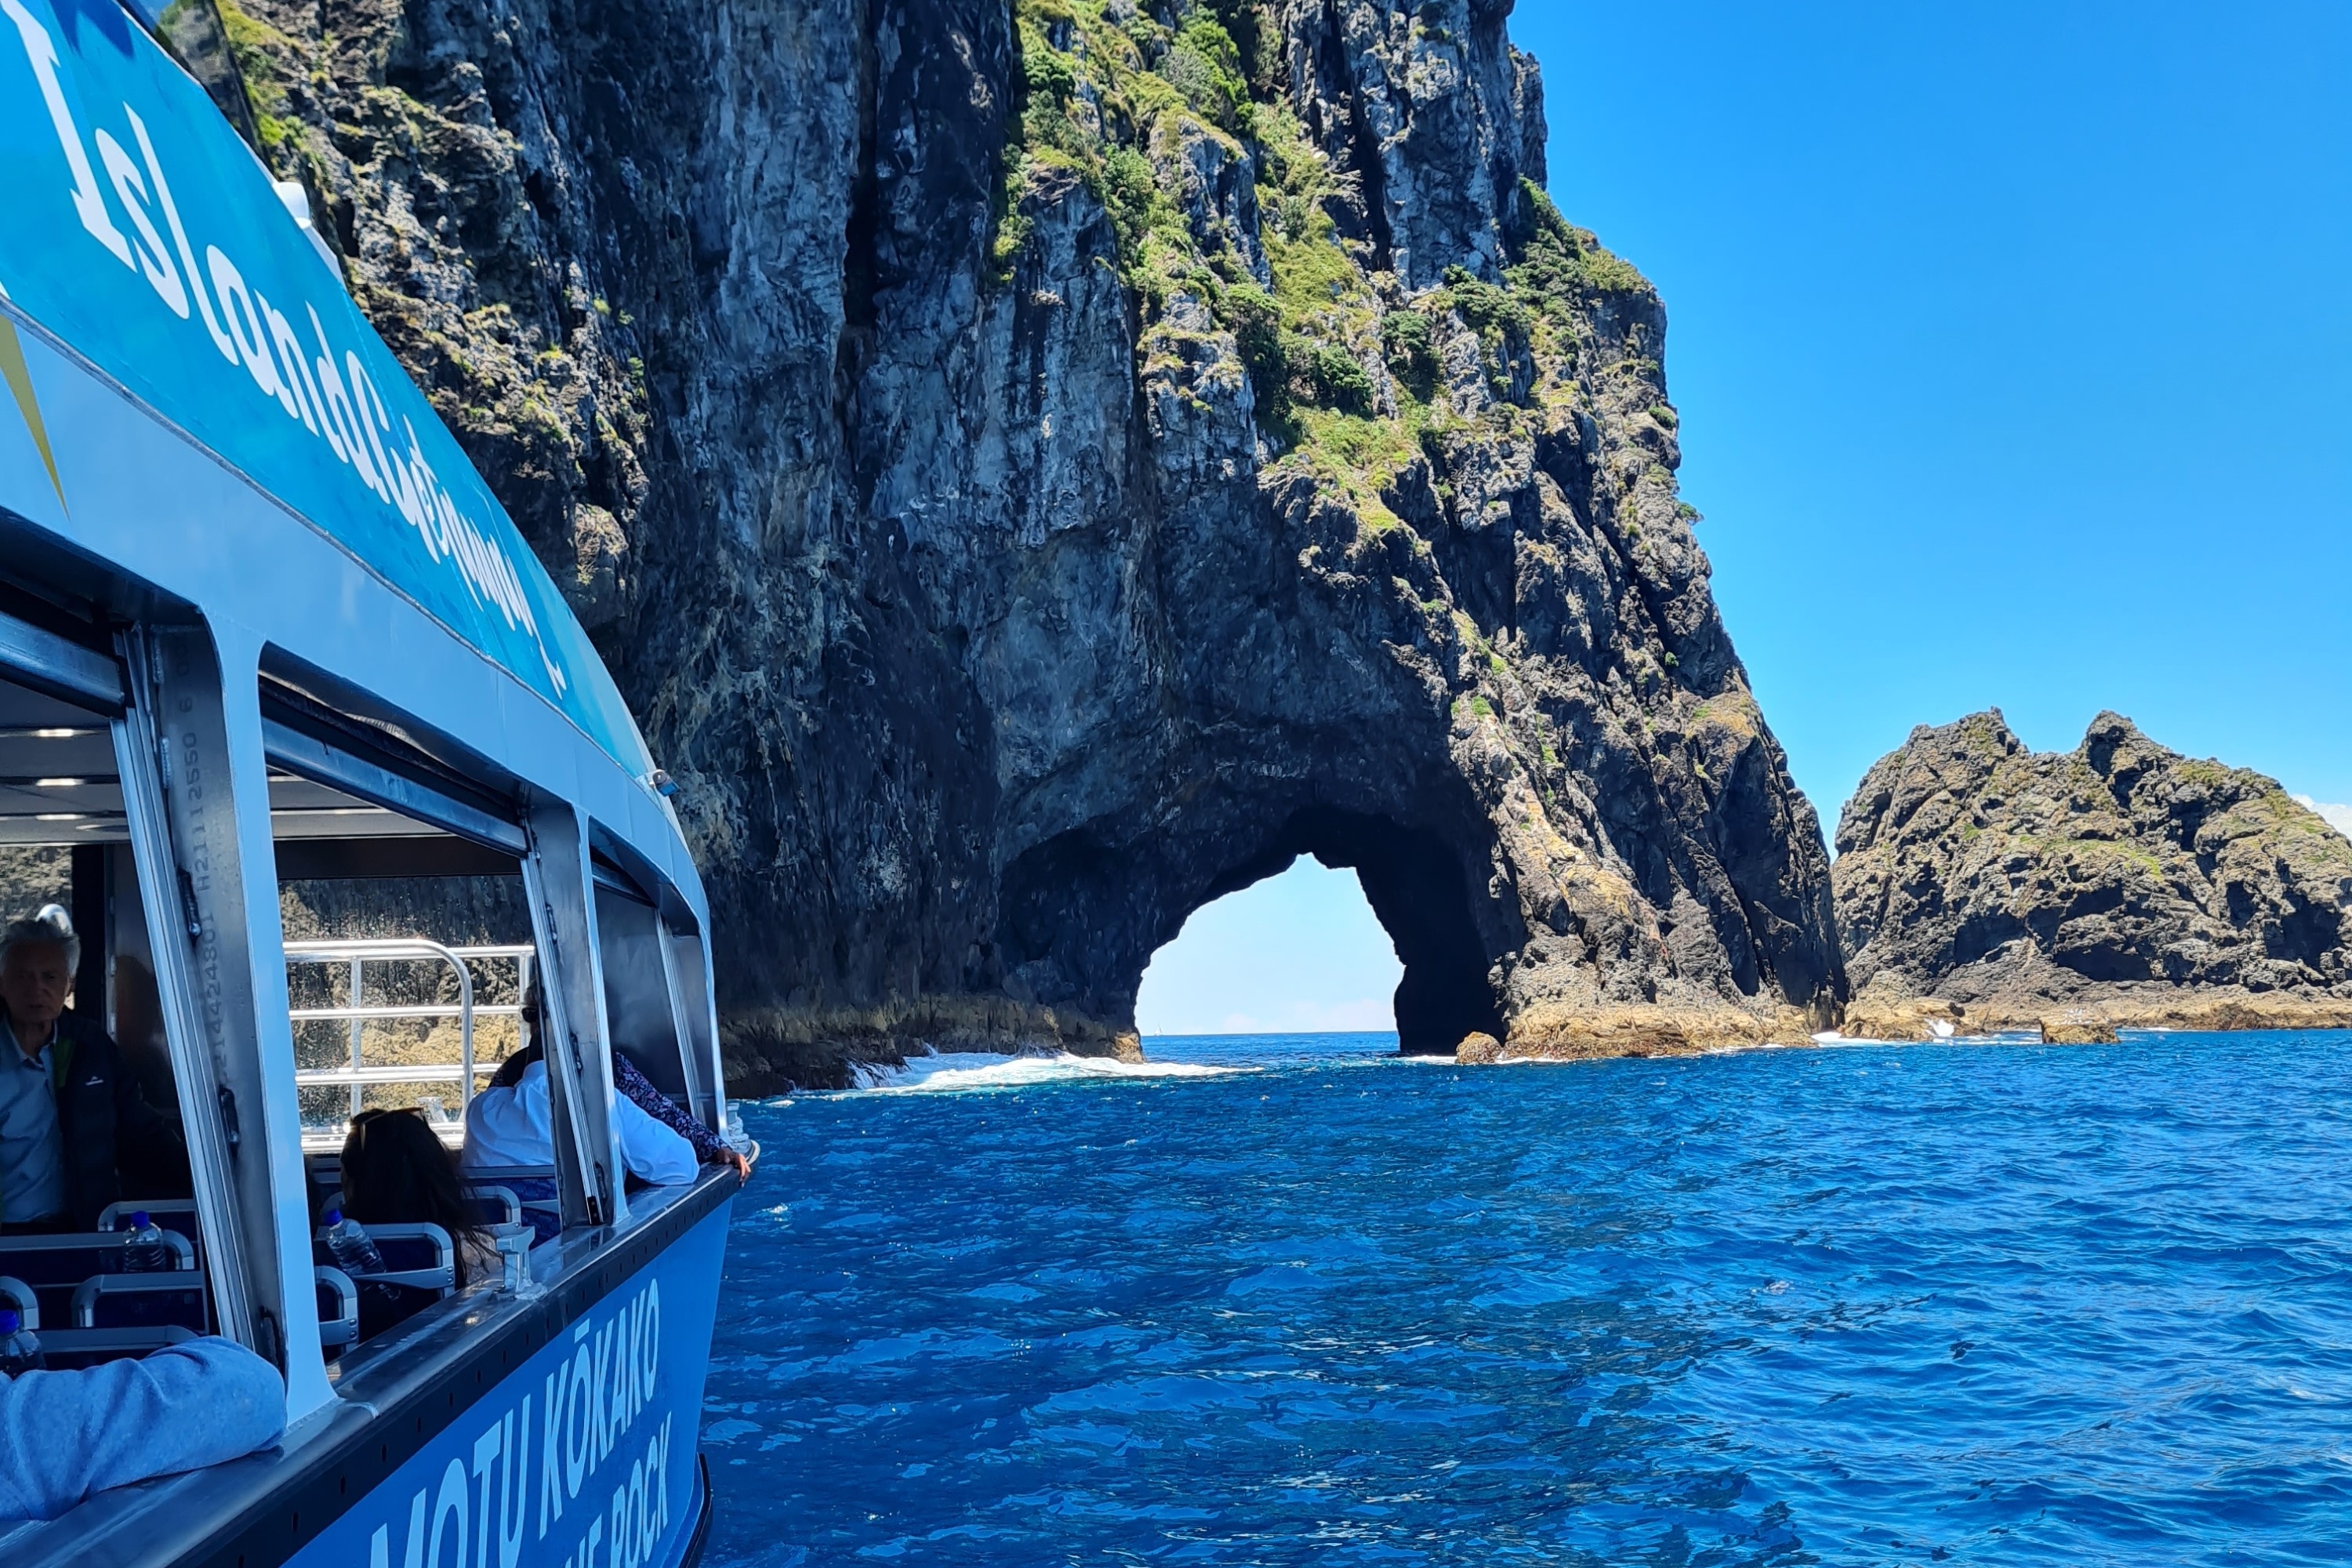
column 951, row 1072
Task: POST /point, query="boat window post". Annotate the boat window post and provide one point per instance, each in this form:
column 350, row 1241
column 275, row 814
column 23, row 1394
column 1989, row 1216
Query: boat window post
column 700, row 1100
column 706, row 1035
column 561, row 881
column 196, row 805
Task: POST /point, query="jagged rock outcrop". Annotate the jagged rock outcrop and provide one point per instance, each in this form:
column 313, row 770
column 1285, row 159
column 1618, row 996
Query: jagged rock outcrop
column 1034, row 469
column 2118, row 884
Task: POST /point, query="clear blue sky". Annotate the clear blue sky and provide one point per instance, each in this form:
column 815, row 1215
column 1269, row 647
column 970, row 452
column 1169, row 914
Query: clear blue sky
column 1296, row 954
column 2014, row 347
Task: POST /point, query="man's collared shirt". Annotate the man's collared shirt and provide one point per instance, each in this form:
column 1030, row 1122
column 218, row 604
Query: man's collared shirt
column 32, row 1146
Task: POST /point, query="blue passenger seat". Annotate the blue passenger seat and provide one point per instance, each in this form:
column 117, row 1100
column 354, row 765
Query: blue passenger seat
column 339, row 1309
column 55, row 1265
column 494, row 1205
column 176, row 1299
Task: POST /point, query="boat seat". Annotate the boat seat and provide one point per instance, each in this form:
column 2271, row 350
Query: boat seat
column 421, row 1268
column 53, row 1265
column 66, row 1349
column 176, row 1299
column 488, row 1203
column 338, row 1308
column 534, row 1190
column 421, row 1257
column 50, row 1257
column 512, row 1173
column 494, row 1205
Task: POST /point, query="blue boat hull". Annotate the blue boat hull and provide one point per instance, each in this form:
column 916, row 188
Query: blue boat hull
column 562, row 1431
column 582, row 1455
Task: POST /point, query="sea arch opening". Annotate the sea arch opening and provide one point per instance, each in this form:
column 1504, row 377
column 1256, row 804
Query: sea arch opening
column 1299, row 952
column 1414, row 885
column 1084, row 912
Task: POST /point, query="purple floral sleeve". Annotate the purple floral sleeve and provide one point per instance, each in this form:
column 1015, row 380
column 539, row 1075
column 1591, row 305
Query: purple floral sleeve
column 664, row 1110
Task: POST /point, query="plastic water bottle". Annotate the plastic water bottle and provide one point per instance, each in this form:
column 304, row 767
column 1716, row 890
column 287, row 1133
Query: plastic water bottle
column 20, row 1352
column 354, row 1254
column 145, row 1252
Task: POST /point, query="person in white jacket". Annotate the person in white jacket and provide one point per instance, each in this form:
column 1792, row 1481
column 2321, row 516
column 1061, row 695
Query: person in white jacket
column 512, row 1123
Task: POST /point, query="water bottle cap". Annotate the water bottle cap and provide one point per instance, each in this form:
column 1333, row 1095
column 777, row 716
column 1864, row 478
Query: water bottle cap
column 139, row 1219
column 9, row 1321
column 334, row 1218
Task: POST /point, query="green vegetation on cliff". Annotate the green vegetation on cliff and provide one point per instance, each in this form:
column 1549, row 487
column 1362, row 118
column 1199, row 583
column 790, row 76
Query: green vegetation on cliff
column 1217, row 193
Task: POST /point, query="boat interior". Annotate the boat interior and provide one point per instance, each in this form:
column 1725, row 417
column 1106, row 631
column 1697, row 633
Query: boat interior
column 409, row 944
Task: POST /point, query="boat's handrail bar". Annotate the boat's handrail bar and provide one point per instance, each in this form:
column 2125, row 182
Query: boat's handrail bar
column 479, row 950
column 419, row 1010
column 420, row 1073
column 360, row 952
column 343, row 1328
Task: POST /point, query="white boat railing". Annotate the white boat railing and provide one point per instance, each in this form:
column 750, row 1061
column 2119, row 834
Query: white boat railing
column 356, row 954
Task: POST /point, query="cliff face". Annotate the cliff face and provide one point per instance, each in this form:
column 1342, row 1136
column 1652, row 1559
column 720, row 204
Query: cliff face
column 1034, row 470
column 2120, row 882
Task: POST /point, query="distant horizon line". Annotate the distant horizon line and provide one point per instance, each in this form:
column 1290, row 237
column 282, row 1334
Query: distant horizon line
column 1273, row 1035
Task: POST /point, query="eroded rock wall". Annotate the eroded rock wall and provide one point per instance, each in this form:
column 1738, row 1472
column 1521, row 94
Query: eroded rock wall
column 2118, row 884
column 1034, row 469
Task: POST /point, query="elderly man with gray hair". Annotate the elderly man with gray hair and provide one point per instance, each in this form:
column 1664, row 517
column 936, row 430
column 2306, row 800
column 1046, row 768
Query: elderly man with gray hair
column 70, row 1113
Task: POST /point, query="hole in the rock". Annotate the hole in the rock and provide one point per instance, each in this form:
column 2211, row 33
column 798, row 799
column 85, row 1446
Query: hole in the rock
column 1083, row 916
column 1416, row 889
column 1300, row 953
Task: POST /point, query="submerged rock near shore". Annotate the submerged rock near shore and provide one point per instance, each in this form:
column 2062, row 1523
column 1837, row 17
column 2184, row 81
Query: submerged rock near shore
column 2117, row 885
column 1036, row 469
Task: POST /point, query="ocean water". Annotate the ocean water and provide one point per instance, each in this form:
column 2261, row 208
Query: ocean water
column 1293, row 1300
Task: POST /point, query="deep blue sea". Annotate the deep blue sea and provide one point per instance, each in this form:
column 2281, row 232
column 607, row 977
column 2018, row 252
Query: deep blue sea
column 1294, row 1300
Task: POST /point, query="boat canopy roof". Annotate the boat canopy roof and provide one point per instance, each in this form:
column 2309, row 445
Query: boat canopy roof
column 142, row 238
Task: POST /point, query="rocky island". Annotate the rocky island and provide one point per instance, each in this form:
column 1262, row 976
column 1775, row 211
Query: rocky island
column 1986, row 887
column 1034, row 469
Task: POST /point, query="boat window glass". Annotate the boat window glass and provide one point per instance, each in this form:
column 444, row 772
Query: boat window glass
column 409, row 952
column 65, row 842
column 638, row 1003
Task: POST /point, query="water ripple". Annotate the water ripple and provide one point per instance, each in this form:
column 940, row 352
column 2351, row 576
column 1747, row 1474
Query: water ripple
column 1871, row 1305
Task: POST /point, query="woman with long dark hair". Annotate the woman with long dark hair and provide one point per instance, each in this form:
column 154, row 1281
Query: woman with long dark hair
column 396, row 1171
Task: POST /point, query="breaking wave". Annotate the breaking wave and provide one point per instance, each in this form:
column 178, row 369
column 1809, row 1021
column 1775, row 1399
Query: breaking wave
column 952, row 1072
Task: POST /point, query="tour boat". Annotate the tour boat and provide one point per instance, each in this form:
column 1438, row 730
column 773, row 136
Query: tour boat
column 265, row 634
